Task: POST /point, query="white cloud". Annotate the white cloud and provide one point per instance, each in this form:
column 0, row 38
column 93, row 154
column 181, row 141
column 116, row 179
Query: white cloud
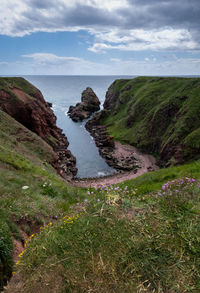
column 127, row 25
column 109, row 5
column 140, row 39
column 45, row 63
column 47, row 58
column 23, row 17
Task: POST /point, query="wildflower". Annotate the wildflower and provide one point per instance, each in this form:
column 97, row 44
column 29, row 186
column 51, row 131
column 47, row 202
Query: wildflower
column 98, row 200
column 25, row 187
column 159, row 193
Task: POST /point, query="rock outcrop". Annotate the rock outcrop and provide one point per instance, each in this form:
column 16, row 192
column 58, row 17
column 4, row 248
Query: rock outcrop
column 106, row 145
column 89, row 104
column 26, row 104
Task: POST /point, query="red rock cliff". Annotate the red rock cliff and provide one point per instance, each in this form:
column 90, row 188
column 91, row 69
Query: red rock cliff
column 26, row 104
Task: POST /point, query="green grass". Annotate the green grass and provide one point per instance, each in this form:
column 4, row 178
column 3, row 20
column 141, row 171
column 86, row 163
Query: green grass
column 139, row 236
column 8, row 83
column 152, row 181
column 164, row 115
column 25, row 161
column 6, row 248
column 118, row 244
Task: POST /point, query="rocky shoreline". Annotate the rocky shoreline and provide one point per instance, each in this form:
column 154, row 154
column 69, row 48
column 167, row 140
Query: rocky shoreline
column 106, row 145
column 146, row 163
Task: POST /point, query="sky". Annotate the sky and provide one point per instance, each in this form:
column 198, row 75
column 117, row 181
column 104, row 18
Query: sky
column 100, row 37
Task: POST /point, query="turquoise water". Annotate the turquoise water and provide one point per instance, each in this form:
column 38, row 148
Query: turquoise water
column 64, row 91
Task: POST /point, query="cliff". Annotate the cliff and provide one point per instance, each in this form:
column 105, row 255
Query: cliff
column 26, row 104
column 158, row 115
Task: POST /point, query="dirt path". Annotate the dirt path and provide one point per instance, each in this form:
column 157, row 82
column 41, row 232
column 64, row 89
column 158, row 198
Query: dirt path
column 145, row 162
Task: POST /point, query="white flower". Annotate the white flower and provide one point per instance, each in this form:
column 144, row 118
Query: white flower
column 25, row 187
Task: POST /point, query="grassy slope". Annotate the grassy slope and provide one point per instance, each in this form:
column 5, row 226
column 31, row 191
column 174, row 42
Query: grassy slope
column 130, row 239
column 7, row 83
column 164, row 113
column 121, row 241
column 24, row 161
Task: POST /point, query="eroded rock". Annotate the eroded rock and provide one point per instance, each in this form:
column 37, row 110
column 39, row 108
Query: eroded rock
column 32, row 111
column 89, row 104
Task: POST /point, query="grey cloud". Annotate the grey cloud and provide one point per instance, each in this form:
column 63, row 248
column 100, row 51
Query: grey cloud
column 51, row 15
column 173, row 13
column 86, row 15
column 42, row 4
column 83, row 16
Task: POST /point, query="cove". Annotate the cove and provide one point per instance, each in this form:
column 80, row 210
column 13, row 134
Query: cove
column 63, row 91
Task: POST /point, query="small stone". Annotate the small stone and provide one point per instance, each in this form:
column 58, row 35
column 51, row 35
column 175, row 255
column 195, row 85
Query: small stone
column 25, row 187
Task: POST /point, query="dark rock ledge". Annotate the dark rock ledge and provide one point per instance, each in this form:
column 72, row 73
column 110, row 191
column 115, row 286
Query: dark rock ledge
column 89, row 104
column 106, row 146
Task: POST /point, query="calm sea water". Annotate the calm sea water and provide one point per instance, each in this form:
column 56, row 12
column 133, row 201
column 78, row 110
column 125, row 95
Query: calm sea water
column 64, row 91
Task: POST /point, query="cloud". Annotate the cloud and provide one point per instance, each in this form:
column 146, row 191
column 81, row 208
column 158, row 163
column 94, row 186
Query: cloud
column 128, row 25
column 140, row 39
column 46, row 58
column 45, row 63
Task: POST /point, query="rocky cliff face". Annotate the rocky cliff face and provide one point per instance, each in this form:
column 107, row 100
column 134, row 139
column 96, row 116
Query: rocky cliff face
column 26, row 104
column 89, row 104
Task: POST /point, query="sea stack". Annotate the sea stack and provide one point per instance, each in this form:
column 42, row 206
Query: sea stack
column 89, row 104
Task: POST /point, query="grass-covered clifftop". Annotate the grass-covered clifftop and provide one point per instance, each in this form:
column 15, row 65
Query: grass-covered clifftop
column 31, row 192
column 159, row 115
column 139, row 236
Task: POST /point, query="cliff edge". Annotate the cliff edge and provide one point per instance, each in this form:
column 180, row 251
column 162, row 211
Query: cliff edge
column 26, row 104
column 158, row 115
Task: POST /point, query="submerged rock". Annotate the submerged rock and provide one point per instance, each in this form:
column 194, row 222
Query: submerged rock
column 89, row 104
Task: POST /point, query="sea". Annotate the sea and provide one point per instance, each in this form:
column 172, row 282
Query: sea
column 64, row 91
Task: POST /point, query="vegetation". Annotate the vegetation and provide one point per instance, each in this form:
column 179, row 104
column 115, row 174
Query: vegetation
column 139, row 236
column 31, row 193
column 117, row 242
column 8, row 83
column 158, row 115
